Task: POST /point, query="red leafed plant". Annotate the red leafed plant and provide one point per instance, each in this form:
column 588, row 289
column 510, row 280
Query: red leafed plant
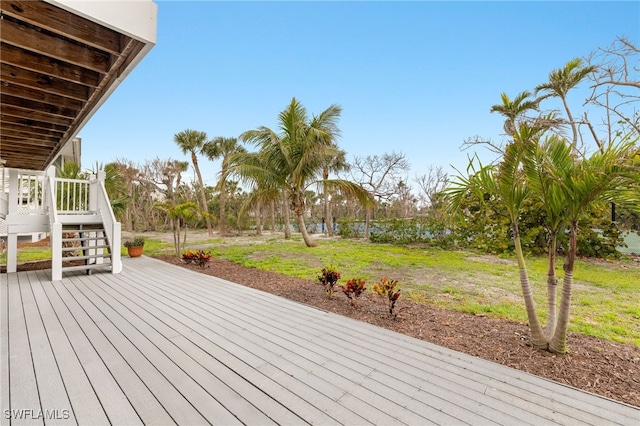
column 328, row 278
column 197, row 257
column 353, row 289
column 387, row 287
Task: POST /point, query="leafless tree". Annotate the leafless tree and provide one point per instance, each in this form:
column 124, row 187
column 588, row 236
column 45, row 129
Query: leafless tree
column 379, row 175
column 616, row 87
column 431, row 184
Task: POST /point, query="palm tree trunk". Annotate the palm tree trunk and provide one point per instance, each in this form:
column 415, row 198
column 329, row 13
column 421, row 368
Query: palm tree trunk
column 285, row 212
column 223, row 200
column 367, row 221
column 258, row 219
column 303, row 230
column 552, row 287
column 574, row 129
column 558, row 343
column 327, row 206
column 329, row 220
column 273, row 215
column 203, row 197
column 538, row 339
column 222, row 225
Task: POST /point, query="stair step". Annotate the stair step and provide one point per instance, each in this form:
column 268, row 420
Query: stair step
column 79, row 219
column 86, row 267
column 78, row 248
column 97, row 237
column 92, row 256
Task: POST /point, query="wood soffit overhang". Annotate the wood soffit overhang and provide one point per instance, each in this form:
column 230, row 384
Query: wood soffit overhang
column 55, row 67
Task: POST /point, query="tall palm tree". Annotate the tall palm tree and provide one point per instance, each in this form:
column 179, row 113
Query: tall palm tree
column 192, row 142
column 560, row 82
column 224, row 148
column 294, row 157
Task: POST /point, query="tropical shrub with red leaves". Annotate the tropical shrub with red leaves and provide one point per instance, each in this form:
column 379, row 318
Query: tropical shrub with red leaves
column 387, row 287
column 353, row 289
column 197, row 257
column 328, row 278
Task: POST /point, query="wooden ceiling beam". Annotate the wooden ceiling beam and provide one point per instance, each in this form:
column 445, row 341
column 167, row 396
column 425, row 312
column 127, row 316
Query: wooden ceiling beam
column 54, row 110
column 48, row 66
column 14, row 75
column 34, row 115
column 28, row 122
column 45, row 43
column 20, row 144
column 40, row 96
column 31, row 134
column 54, row 19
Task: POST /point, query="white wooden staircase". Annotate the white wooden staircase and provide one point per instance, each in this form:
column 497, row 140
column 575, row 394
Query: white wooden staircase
column 77, row 214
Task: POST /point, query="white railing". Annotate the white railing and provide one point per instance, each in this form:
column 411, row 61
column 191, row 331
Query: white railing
column 72, row 196
column 4, row 205
column 111, row 226
column 55, row 229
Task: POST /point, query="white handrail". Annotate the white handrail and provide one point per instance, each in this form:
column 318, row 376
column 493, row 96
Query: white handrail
column 55, row 230
column 111, row 226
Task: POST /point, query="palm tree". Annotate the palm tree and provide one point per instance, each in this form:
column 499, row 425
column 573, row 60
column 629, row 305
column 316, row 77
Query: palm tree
column 192, row 141
column 567, row 187
column 337, row 164
column 513, row 110
column 609, row 174
column 560, row 82
column 503, row 184
column 294, row 157
column 225, row 148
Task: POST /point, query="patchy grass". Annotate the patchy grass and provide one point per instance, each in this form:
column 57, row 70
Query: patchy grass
column 605, row 298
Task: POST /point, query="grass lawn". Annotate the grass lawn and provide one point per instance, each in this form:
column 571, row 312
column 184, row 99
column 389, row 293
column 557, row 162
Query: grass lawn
column 606, row 295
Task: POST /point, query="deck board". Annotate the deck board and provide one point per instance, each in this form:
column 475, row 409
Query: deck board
column 159, row 344
column 113, row 401
column 87, row 408
column 54, row 401
column 23, row 389
column 4, row 348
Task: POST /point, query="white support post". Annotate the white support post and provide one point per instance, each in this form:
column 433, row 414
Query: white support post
column 12, row 209
column 93, row 193
column 12, row 252
column 116, row 260
column 56, row 251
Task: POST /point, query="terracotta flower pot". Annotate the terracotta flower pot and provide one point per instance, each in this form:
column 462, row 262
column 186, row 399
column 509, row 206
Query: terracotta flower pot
column 135, row 251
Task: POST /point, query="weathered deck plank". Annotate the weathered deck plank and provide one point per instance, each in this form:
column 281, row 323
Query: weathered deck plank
column 158, row 344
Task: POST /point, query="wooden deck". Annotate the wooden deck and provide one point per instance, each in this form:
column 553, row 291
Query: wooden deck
column 158, row 344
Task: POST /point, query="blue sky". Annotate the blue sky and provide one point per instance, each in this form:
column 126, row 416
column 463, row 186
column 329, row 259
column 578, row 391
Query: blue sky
column 411, row 77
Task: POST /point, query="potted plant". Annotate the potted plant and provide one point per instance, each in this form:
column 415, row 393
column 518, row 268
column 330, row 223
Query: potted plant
column 135, row 246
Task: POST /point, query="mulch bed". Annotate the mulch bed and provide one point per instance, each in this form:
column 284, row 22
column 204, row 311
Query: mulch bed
column 594, row 365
